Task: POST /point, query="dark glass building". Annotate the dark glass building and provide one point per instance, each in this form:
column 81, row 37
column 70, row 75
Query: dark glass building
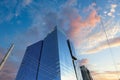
column 50, row 59
column 85, row 73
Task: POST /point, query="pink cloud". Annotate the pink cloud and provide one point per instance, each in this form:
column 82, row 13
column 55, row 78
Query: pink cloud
column 77, row 23
column 93, row 19
column 8, row 72
column 84, row 61
column 81, row 28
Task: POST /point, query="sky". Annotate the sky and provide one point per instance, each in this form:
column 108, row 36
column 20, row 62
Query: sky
column 93, row 26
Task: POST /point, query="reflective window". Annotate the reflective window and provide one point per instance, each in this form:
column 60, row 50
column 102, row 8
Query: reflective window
column 29, row 65
column 48, row 60
column 49, row 63
column 66, row 64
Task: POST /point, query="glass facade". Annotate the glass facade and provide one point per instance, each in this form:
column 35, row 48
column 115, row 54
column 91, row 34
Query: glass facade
column 66, row 65
column 76, row 63
column 49, row 59
column 49, row 68
column 30, row 63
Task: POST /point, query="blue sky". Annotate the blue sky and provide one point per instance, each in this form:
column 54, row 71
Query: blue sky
column 24, row 22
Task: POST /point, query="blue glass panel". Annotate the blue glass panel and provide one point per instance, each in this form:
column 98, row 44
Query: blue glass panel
column 49, row 63
column 29, row 65
column 66, row 64
column 48, row 60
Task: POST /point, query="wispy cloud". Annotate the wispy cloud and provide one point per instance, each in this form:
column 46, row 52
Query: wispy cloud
column 78, row 27
column 106, row 75
column 8, row 72
column 26, row 2
column 98, row 41
column 77, row 24
column 84, row 61
column 68, row 19
column 115, row 42
column 7, row 15
column 112, row 10
column 13, row 9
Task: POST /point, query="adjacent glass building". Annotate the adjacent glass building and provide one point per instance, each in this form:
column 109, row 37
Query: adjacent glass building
column 50, row 59
column 85, row 73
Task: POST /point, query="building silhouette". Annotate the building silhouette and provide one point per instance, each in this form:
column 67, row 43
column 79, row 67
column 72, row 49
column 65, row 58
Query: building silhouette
column 85, row 73
column 53, row 58
column 49, row 59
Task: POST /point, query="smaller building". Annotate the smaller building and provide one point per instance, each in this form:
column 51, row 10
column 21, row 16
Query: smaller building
column 85, row 73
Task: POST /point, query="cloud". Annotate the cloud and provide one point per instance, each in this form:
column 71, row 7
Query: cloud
column 26, row 2
column 8, row 72
column 79, row 27
column 6, row 8
column 84, row 61
column 11, row 9
column 78, row 22
column 93, row 42
column 106, row 75
column 115, row 42
column 100, row 36
column 42, row 24
column 118, row 64
column 112, row 10
column 71, row 2
column 113, row 6
column 68, row 19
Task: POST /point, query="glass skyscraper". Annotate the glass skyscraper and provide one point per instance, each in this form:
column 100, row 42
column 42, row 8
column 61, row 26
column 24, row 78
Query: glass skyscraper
column 50, row 59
